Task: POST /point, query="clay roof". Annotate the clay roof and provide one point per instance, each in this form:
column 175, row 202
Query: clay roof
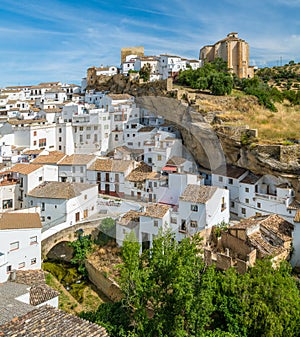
column 156, row 210
column 51, row 322
column 130, row 219
column 176, row 161
column 30, row 277
column 52, row 110
column 230, row 171
column 264, row 248
column 251, row 179
column 25, row 121
column 52, row 158
column 77, row 159
column 125, row 149
column 278, row 226
column 59, row 190
column 198, row 193
column 29, row 152
column 25, row 168
column 146, row 129
column 294, row 205
column 141, row 173
column 19, row 220
column 41, row 293
column 111, row 165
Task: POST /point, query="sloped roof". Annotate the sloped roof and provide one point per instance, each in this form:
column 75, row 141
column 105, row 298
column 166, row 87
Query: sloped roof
column 52, row 158
column 111, row 165
column 156, row 210
column 51, row 322
column 77, row 159
column 59, row 190
column 25, row 168
column 41, row 293
column 30, row 277
column 177, row 161
column 19, row 220
column 198, row 193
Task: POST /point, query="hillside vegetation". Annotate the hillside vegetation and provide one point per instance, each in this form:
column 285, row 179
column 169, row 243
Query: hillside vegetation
column 269, row 102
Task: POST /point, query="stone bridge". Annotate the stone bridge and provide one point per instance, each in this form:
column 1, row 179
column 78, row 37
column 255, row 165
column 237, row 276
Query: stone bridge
column 70, row 234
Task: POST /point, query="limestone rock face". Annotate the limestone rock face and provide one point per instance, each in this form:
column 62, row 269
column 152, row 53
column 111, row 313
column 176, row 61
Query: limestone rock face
column 198, row 136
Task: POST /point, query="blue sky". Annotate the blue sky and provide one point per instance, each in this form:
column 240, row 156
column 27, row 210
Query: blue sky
column 58, row 40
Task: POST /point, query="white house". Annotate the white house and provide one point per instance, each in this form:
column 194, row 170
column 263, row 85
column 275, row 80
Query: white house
column 109, row 175
column 73, row 168
column 201, row 207
column 146, row 224
column 106, row 71
column 63, row 202
column 28, row 176
column 20, row 242
column 229, row 177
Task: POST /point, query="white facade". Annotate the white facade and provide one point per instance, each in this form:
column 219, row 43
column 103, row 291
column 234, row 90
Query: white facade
column 20, row 248
column 59, row 207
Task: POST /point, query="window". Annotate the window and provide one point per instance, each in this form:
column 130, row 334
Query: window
column 81, row 128
column 59, row 147
column 85, row 196
column 73, row 169
column 40, row 178
column 159, row 157
column 95, row 127
column 34, row 133
column 42, row 142
column 7, row 204
column 258, row 205
column 34, row 142
column 33, row 261
column 220, row 179
column 247, row 189
column 42, row 206
column 183, row 226
column 88, row 136
column 59, row 139
column 244, row 211
column 155, row 223
column 230, row 181
column 88, row 128
column 81, row 180
column 49, row 217
column 193, row 224
column 8, row 269
column 173, row 220
column 81, row 169
column 14, row 246
column 21, row 265
column 59, row 130
column 194, row 208
column 247, row 201
column 33, row 240
column 42, row 218
column 232, row 204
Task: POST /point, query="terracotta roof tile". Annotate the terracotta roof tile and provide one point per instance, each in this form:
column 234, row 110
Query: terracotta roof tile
column 25, row 168
column 111, row 165
column 30, row 277
column 41, row 293
column 59, row 190
column 52, row 158
column 19, row 220
column 198, row 193
column 77, row 159
column 156, row 210
column 51, row 322
column 26, row 121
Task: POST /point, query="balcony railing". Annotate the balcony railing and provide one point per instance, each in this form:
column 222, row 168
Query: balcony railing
column 269, row 197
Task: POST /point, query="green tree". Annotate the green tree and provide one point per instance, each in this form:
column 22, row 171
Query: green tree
column 145, row 72
column 262, row 302
column 81, row 247
column 169, row 281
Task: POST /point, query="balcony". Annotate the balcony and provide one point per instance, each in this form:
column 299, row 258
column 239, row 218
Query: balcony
column 269, row 197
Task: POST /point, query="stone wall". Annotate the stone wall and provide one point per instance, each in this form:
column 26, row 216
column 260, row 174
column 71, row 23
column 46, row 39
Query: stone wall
column 104, row 283
column 237, row 246
column 69, row 234
column 224, row 262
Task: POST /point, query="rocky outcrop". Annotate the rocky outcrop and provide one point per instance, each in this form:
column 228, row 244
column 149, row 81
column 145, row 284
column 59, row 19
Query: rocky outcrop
column 198, row 136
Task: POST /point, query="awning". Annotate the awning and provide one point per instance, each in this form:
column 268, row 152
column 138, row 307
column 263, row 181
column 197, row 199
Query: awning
column 169, row 168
